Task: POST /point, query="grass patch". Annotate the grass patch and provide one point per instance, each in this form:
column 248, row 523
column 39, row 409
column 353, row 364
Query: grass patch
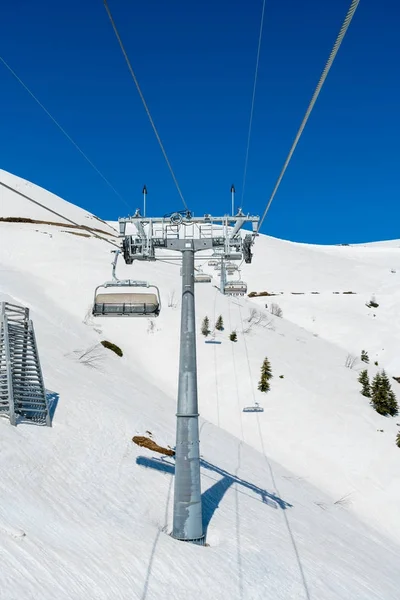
column 112, row 347
column 146, row 442
column 259, row 294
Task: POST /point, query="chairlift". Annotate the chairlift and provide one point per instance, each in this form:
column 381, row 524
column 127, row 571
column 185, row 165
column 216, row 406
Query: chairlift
column 231, row 267
column 202, row 278
column 213, row 341
column 126, row 304
column 256, row 408
column 235, row 288
column 212, row 262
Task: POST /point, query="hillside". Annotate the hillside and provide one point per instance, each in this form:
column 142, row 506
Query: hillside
column 300, row 502
column 15, row 207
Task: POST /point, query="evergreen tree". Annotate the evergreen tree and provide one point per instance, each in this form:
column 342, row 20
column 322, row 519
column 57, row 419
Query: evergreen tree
column 205, row 326
column 364, row 380
column 233, row 336
column 398, row 439
column 383, row 398
column 219, row 325
column 364, row 356
column 385, row 383
column 375, row 387
column 266, row 375
column 391, row 401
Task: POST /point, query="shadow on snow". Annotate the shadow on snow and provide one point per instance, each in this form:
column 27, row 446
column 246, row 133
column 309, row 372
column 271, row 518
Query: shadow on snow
column 212, row 497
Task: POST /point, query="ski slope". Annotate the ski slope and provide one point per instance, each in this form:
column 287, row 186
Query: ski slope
column 299, row 502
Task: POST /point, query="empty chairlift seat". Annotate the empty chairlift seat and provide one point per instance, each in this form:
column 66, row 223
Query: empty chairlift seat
column 202, row 278
column 231, row 268
column 253, row 409
column 117, row 298
column 126, row 303
column 235, row 288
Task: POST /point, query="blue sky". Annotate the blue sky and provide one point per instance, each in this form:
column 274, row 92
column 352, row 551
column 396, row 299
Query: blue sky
column 195, row 63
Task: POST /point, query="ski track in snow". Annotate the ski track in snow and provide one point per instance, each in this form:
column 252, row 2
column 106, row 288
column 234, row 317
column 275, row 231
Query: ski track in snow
column 84, row 513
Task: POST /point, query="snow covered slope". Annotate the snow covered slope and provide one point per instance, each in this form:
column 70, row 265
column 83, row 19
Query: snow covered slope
column 313, row 285
column 299, row 502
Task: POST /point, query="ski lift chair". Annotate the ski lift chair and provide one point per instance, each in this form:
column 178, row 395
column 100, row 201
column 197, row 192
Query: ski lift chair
column 231, row 268
column 126, row 304
column 235, row 288
column 256, row 408
column 212, row 263
column 202, row 278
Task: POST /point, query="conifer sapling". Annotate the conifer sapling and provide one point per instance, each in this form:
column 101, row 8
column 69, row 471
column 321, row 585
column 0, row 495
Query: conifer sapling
column 219, row 325
column 205, row 327
column 266, row 375
column 364, row 380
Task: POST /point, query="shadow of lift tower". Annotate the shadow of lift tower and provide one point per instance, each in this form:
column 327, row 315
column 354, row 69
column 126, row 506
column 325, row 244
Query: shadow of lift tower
column 181, row 232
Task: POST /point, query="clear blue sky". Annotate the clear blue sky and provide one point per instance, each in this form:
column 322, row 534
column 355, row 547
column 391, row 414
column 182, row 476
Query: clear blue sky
column 195, row 62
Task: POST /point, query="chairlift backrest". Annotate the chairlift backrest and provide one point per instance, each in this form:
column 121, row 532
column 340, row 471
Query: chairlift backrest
column 235, row 288
column 202, row 278
column 127, row 304
column 253, row 409
column 231, row 267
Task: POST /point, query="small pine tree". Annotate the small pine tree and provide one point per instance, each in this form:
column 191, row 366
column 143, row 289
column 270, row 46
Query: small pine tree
column 205, row 326
column 233, row 336
column 385, row 383
column 219, row 325
column 364, row 380
column 398, row 439
column 266, row 375
column 391, row 401
column 364, row 356
column 383, row 398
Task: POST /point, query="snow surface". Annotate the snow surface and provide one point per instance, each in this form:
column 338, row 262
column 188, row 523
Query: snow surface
column 299, row 502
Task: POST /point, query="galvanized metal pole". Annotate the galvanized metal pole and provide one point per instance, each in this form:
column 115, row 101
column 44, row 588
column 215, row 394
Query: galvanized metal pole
column 187, row 519
column 144, row 200
column 233, row 199
column 223, row 277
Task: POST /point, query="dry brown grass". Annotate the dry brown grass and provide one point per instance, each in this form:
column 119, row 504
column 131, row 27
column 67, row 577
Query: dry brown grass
column 258, row 294
column 54, row 223
column 146, row 442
